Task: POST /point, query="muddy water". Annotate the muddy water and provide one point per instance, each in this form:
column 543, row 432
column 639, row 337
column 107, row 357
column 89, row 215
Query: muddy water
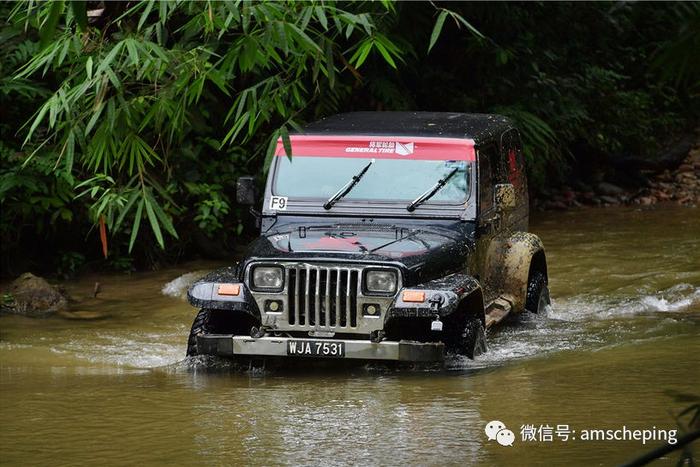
column 108, row 384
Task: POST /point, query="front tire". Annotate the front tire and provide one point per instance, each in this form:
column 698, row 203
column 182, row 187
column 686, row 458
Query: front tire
column 537, row 294
column 474, row 337
column 469, row 338
column 200, row 326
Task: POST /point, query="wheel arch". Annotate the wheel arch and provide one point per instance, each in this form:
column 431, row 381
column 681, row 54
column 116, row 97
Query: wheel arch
column 473, row 304
column 538, row 263
column 511, row 261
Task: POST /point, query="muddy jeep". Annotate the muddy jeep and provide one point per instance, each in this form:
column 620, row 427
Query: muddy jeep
column 383, row 236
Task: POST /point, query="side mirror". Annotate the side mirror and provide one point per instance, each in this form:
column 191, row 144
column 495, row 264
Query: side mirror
column 504, row 197
column 245, row 191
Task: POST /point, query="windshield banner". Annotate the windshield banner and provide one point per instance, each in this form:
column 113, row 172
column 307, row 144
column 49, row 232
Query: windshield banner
column 380, row 147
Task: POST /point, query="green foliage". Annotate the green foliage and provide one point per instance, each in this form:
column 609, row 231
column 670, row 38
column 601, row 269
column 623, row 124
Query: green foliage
column 676, row 60
column 459, row 21
column 135, row 86
column 144, row 113
column 212, row 206
column 583, row 81
column 69, row 263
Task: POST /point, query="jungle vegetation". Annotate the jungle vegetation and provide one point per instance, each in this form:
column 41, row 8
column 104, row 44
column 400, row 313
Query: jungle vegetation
column 124, row 125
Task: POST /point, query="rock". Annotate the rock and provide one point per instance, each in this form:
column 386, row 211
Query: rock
column 32, row 296
column 580, row 186
column 685, row 168
column 609, row 199
column 609, row 189
column 683, row 176
column 645, row 200
column 555, row 205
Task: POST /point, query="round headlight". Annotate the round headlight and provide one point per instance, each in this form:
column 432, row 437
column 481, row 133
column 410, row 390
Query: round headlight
column 381, row 281
column 268, row 277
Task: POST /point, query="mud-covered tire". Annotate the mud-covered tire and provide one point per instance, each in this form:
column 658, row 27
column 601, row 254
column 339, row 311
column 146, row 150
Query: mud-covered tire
column 200, row 326
column 474, row 337
column 537, row 293
column 468, row 339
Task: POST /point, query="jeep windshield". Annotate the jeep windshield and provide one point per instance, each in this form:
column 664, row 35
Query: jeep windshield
column 387, row 180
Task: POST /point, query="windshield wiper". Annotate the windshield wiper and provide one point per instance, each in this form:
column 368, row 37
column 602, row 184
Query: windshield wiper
column 348, row 186
column 431, row 192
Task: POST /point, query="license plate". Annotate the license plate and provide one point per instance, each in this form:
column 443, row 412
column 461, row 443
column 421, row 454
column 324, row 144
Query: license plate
column 327, row 349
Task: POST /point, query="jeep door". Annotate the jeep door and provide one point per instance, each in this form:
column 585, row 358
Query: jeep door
column 513, row 164
column 489, row 172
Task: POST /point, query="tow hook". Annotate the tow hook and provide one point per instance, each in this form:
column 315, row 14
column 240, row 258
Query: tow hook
column 376, row 336
column 435, row 301
column 257, row 333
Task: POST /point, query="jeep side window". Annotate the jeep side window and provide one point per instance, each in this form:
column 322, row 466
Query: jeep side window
column 488, row 169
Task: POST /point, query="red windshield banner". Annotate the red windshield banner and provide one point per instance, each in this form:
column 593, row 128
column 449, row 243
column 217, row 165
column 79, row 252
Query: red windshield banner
column 380, row 147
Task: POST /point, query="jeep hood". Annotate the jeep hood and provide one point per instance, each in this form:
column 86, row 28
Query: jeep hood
column 426, row 252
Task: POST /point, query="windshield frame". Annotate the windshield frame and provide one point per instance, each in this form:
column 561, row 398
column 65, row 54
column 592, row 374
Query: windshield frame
column 370, row 201
column 465, row 210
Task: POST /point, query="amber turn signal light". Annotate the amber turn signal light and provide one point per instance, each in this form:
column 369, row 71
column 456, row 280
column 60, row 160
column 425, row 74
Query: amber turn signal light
column 229, row 289
column 415, row 296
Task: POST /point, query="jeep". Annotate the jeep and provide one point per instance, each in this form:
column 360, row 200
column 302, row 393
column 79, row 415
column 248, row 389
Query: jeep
column 383, row 236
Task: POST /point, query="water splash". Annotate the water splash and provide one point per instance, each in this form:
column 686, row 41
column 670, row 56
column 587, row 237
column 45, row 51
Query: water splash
column 582, row 322
column 580, row 308
column 178, row 287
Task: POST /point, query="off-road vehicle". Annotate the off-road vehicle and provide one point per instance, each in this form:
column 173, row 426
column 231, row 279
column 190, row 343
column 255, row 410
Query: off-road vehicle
column 383, row 235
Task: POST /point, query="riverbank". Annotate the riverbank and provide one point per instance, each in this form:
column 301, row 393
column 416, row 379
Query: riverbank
column 679, row 185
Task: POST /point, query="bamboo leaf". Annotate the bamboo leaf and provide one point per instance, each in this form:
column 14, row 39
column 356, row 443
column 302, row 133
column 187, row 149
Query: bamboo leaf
column 321, row 15
column 125, row 210
column 153, row 221
column 137, row 224
column 271, row 149
column 49, row 27
column 146, row 12
column 437, row 29
column 286, row 142
column 385, row 53
column 79, row 8
column 70, row 150
column 467, row 24
column 164, row 219
column 361, row 54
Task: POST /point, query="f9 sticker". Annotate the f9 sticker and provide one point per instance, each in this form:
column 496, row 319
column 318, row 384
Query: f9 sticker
column 278, row 203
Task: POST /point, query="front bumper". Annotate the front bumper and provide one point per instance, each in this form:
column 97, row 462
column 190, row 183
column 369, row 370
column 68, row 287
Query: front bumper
column 408, row 351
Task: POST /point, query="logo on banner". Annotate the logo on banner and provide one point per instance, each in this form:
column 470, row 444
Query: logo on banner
column 384, row 147
column 404, row 149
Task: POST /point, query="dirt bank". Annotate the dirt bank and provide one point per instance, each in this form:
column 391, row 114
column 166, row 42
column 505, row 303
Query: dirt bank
column 680, row 185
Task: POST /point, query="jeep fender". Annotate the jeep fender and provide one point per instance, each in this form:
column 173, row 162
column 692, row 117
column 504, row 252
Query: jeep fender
column 452, row 292
column 510, row 260
column 205, row 293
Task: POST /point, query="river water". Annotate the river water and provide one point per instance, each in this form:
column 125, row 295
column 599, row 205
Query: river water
column 107, row 383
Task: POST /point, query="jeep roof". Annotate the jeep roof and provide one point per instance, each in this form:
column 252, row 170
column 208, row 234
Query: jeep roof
column 477, row 127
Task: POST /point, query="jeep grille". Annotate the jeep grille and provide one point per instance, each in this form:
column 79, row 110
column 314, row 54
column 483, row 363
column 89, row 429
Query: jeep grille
column 320, row 296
